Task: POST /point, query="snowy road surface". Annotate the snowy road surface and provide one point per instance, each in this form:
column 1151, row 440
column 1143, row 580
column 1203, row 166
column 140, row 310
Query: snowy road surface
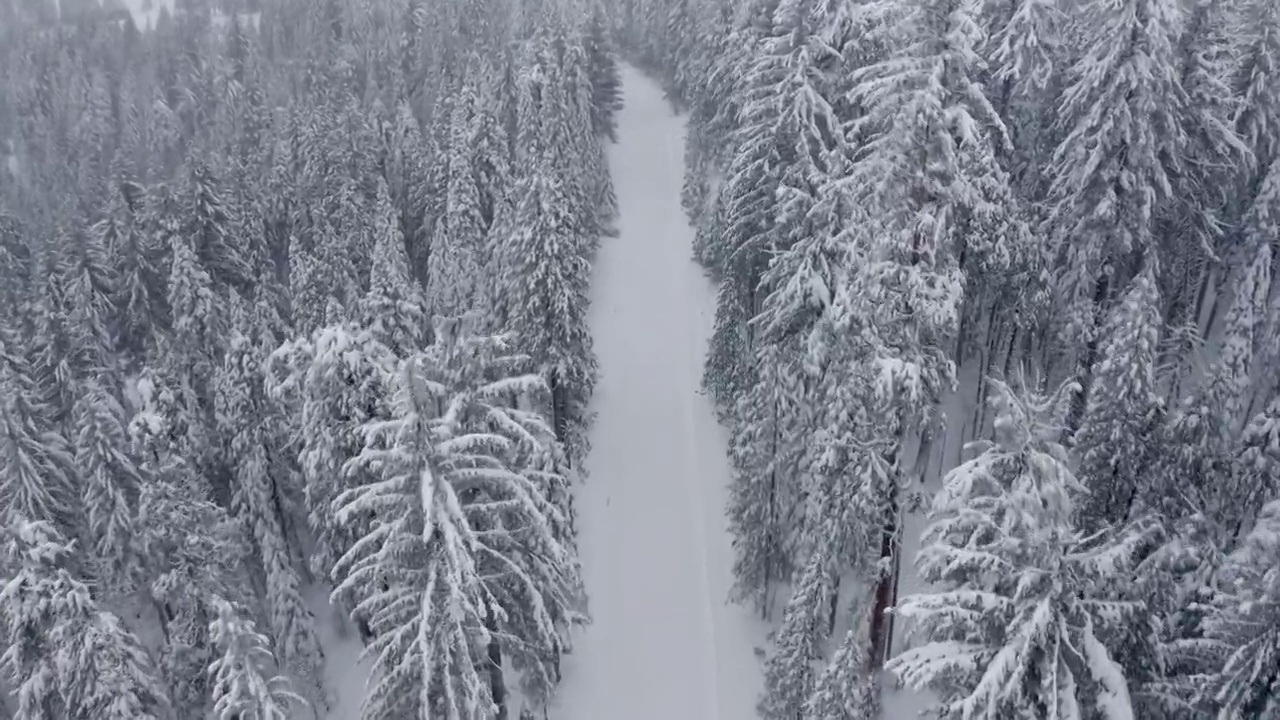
column 664, row 644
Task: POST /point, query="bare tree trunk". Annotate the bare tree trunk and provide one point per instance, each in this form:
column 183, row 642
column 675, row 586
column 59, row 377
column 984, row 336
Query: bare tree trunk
column 776, row 543
column 881, row 625
column 1008, row 356
column 1080, row 398
column 559, row 411
column 497, row 681
column 1206, row 279
column 835, row 607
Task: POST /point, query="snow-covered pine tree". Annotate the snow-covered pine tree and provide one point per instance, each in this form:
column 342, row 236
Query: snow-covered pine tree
column 140, row 291
column 1024, row 54
column 1115, row 440
column 406, row 176
column 548, row 270
column 845, row 690
column 737, row 252
column 208, row 225
column 543, row 587
column 606, row 82
column 35, row 460
column 722, row 51
column 88, row 283
column 191, row 550
column 440, row 478
column 928, row 187
column 1018, row 626
column 333, row 383
column 766, row 495
column 260, row 491
column 1254, row 83
column 68, row 657
column 1261, row 226
column 776, row 410
column 1115, row 167
column 600, row 202
column 110, row 485
column 1212, row 156
column 454, row 282
column 198, row 318
column 307, row 287
column 790, row 672
column 1244, row 626
column 1201, row 435
column 1256, row 476
column 61, row 352
column 244, row 686
column 393, row 309
column 189, row 357
column 491, row 153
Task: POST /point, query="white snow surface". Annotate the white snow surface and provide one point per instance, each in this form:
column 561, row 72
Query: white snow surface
column 656, row 558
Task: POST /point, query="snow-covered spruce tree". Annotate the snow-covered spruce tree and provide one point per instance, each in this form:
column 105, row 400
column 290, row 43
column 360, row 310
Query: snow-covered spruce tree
column 1261, row 226
column 1024, row 53
column 601, row 203
column 789, row 673
column 209, row 226
column 334, row 382
column 1114, row 443
column 1213, row 157
column 261, row 493
column 765, row 496
column 548, row 271
column 738, row 251
column 140, row 299
column 930, row 188
column 1256, row 475
column 491, row 155
column 843, row 517
column 1017, row 626
column 1254, row 84
column 68, row 657
column 244, row 686
column 563, row 123
column 778, row 408
column 1115, row 166
column 846, row 690
column 806, row 41
column 35, row 460
column 723, row 51
column 1201, row 435
column 446, row 504
column 191, row 551
column 606, row 82
column 88, row 282
column 453, row 282
column 61, row 352
column 324, row 255
column 194, row 351
column 110, row 485
column 406, row 176
column 393, row 309
column 1244, row 626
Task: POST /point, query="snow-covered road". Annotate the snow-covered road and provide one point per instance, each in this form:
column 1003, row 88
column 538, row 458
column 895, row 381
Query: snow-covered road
column 663, row 644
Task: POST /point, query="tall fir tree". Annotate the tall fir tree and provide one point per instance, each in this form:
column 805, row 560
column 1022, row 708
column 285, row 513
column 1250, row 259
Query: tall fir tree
column 1017, row 627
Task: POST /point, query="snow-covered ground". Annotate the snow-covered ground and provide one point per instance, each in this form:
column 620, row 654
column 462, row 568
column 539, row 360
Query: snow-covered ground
column 664, row 642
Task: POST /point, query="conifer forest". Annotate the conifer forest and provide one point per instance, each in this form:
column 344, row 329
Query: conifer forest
column 639, row 359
